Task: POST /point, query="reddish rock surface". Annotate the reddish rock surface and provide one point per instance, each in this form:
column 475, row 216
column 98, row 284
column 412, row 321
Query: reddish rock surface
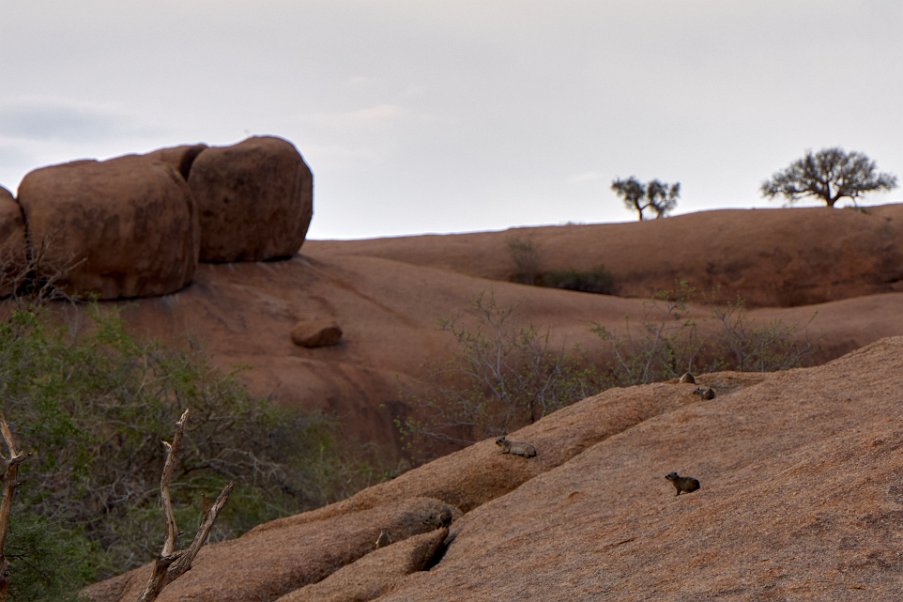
column 255, row 200
column 278, row 561
column 390, row 311
column 801, row 498
column 374, row 574
column 769, row 257
column 316, row 333
column 126, row 227
column 12, row 242
column 472, row 477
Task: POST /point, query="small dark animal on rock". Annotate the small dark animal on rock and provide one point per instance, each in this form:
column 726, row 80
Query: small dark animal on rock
column 516, row 448
column 682, row 484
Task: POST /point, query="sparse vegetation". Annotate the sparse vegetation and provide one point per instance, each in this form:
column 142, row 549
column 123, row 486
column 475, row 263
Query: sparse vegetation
column 655, row 196
column 504, row 376
column 525, row 254
column 92, row 410
column 597, row 280
column 666, row 344
column 829, row 175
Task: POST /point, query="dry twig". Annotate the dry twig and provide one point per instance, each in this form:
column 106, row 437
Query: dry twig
column 10, row 466
column 170, row 565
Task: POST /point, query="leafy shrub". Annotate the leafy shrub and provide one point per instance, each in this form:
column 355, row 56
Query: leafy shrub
column 94, row 409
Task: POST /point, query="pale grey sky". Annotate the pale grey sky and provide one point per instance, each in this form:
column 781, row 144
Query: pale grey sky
column 446, row 116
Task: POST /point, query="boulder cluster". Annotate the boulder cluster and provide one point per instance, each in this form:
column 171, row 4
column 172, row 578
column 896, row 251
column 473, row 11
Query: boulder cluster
column 137, row 225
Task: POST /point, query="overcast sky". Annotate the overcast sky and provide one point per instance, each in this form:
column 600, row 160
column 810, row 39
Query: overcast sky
column 447, row 116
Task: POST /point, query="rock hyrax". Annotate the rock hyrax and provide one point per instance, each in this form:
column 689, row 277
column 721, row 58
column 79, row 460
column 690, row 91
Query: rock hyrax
column 682, row 484
column 688, row 378
column 516, row 448
column 705, row 392
column 441, row 518
column 383, row 540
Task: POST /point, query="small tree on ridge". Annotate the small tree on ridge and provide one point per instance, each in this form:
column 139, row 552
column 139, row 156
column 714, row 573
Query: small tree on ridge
column 656, row 195
column 828, row 175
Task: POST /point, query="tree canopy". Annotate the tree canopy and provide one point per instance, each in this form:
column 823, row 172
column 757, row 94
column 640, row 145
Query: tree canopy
column 656, row 195
column 828, row 175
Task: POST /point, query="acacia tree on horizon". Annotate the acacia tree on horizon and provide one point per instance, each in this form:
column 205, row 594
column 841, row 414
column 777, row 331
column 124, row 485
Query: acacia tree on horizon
column 656, row 195
column 828, row 175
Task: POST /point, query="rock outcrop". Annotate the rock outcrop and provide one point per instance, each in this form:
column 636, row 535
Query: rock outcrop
column 316, row 333
column 13, row 256
column 376, row 573
column 126, row 227
column 255, row 200
column 801, row 500
column 277, row 562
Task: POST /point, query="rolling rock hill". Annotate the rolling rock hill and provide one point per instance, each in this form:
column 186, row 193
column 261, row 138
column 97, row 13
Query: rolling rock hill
column 389, row 295
column 801, row 499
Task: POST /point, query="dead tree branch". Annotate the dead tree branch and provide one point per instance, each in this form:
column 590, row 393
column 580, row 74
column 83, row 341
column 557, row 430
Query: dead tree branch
column 184, row 561
column 170, row 565
column 10, row 466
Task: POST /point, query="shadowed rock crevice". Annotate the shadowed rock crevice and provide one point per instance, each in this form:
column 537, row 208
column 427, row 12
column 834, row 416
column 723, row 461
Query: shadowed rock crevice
column 438, row 554
column 376, row 573
column 181, row 158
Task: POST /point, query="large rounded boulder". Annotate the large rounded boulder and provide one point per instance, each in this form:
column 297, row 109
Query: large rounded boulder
column 13, row 256
column 255, row 200
column 126, row 227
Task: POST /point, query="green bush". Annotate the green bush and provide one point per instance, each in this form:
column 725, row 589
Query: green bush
column 94, row 407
